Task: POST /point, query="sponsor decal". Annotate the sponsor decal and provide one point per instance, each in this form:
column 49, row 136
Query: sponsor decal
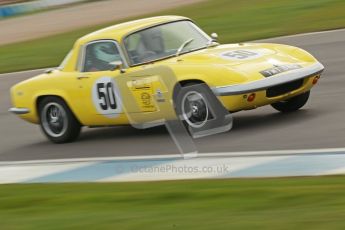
column 146, row 98
column 279, row 69
column 142, row 92
column 159, row 96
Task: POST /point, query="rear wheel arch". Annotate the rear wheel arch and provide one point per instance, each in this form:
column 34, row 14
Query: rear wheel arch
column 57, row 120
column 40, row 98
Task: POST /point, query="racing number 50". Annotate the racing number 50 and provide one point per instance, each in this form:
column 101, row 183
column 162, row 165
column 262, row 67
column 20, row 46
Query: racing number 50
column 106, row 94
column 240, row 54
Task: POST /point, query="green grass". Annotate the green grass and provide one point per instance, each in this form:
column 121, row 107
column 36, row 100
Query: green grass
column 290, row 203
column 233, row 20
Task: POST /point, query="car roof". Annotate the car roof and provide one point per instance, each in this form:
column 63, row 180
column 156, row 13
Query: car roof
column 118, row 31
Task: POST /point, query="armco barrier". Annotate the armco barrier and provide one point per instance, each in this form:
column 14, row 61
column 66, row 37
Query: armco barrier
column 27, row 7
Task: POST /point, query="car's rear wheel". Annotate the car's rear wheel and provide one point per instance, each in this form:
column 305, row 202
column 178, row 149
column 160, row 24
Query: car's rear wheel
column 292, row 104
column 192, row 107
column 57, row 121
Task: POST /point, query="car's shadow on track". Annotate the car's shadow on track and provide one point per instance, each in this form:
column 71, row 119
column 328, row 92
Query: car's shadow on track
column 126, row 140
column 120, row 132
column 242, row 122
column 248, row 121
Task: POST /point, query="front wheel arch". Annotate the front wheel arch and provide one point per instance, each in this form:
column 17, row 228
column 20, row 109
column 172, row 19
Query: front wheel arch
column 185, row 83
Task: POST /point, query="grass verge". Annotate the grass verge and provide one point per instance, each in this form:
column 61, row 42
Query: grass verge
column 289, row 203
column 233, row 20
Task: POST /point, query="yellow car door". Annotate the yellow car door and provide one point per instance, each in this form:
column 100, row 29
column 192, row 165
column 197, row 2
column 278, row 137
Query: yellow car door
column 99, row 95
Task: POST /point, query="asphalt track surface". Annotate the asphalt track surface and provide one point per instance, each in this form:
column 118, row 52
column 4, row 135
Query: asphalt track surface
column 320, row 124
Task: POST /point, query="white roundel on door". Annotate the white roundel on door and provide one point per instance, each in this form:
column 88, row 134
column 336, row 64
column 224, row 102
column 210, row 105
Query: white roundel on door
column 106, row 97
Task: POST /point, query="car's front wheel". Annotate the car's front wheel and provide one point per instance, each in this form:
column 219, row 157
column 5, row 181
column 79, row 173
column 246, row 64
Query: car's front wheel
column 292, row 104
column 192, row 106
column 57, row 121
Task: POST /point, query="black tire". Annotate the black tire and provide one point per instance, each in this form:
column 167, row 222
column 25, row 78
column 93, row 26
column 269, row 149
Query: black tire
column 57, row 121
column 198, row 111
column 292, row 104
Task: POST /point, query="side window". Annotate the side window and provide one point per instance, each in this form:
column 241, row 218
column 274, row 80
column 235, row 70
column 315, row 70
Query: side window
column 99, row 55
column 132, row 42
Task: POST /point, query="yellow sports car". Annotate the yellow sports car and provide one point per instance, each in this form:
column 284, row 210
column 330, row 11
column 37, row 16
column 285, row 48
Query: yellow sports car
column 157, row 68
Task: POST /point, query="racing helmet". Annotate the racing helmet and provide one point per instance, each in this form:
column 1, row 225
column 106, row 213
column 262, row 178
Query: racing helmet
column 106, row 52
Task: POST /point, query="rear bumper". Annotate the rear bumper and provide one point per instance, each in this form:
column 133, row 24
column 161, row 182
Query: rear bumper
column 19, row 111
column 265, row 83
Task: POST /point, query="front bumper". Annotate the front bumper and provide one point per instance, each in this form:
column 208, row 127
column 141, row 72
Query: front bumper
column 19, row 111
column 266, row 83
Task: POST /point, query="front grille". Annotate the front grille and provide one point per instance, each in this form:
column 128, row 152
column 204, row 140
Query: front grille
column 284, row 88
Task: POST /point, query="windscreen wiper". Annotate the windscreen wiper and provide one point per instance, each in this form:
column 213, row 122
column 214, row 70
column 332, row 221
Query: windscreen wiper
column 179, row 50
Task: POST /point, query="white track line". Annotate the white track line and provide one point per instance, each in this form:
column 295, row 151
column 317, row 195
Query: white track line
column 20, row 173
column 178, row 156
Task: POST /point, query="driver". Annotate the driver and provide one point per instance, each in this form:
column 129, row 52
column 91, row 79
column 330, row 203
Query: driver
column 151, row 44
column 104, row 53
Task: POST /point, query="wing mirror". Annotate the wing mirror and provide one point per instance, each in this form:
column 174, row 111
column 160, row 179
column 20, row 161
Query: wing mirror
column 48, row 71
column 117, row 65
column 214, row 37
column 214, row 40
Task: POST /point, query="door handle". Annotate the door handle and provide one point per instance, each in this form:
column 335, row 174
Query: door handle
column 82, row 77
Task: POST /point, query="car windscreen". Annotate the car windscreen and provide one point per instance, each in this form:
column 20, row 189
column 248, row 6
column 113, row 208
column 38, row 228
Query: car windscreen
column 164, row 41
